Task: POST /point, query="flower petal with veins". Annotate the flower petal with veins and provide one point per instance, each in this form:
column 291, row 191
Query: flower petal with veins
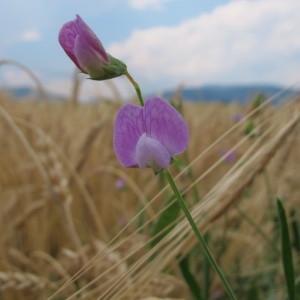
column 128, row 129
column 149, row 136
column 164, row 123
column 151, row 153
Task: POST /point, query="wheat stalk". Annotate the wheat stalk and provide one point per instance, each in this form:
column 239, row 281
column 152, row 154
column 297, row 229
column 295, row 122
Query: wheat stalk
column 21, row 281
column 34, row 78
column 46, row 141
column 59, row 189
column 74, row 99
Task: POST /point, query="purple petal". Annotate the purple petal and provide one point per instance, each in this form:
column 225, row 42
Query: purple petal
column 229, row 156
column 91, row 39
column 238, row 117
column 82, row 45
column 67, row 36
column 164, row 123
column 87, row 57
column 151, row 153
column 120, row 183
column 127, row 131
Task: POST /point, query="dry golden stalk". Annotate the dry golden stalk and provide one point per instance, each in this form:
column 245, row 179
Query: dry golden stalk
column 87, row 144
column 34, row 78
column 74, row 99
column 21, row 260
column 28, row 147
column 33, row 208
column 47, row 145
column 24, row 281
column 129, row 181
column 165, row 286
column 56, row 266
column 253, row 167
column 59, row 189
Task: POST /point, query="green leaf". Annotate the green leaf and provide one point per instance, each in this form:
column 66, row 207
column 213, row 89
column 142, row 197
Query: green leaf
column 295, row 230
column 190, row 278
column 249, row 129
column 286, row 251
column 206, row 273
column 252, row 292
column 258, row 100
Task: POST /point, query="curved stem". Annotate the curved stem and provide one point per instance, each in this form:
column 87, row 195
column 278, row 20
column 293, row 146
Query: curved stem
column 199, row 235
column 137, row 88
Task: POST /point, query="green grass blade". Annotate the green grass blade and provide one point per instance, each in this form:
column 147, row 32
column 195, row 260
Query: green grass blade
column 206, row 273
column 190, row 278
column 199, row 236
column 286, row 249
column 295, row 230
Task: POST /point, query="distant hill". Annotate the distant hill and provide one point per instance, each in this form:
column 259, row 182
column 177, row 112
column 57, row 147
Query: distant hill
column 18, row 93
column 207, row 93
column 229, row 93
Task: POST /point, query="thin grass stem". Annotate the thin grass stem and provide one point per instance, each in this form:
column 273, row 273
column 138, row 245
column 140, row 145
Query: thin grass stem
column 198, row 235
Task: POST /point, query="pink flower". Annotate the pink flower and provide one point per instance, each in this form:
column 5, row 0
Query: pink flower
column 229, row 156
column 87, row 52
column 149, row 136
column 120, row 183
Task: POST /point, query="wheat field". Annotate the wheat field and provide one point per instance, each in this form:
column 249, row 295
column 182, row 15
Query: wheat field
column 75, row 224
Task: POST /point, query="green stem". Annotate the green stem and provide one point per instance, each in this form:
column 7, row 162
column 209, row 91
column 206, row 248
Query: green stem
column 198, row 235
column 137, row 88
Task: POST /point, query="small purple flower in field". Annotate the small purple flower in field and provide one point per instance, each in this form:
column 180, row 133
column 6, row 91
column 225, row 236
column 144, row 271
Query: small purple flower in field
column 149, row 136
column 229, row 156
column 86, row 51
column 122, row 220
column 120, row 184
column 238, row 117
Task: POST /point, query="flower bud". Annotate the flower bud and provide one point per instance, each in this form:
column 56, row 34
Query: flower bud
column 87, row 52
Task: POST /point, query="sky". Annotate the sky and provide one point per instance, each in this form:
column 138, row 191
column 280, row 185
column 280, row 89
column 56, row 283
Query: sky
column 164, row 43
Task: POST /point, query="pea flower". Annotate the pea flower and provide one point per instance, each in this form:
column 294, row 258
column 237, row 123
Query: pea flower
column 237, row 118
column 229, row 156
column 87, row 52
column 120, row 184
column 149, row 136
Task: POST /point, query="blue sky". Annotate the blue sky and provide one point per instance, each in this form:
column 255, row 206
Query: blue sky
column 163, row 42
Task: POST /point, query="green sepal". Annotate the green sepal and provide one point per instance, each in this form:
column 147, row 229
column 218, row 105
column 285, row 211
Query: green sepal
column 114, row 69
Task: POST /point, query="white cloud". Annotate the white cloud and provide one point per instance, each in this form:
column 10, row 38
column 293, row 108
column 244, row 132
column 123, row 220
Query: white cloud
column 30, row 35
column 242, row 41
column 147, row 4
